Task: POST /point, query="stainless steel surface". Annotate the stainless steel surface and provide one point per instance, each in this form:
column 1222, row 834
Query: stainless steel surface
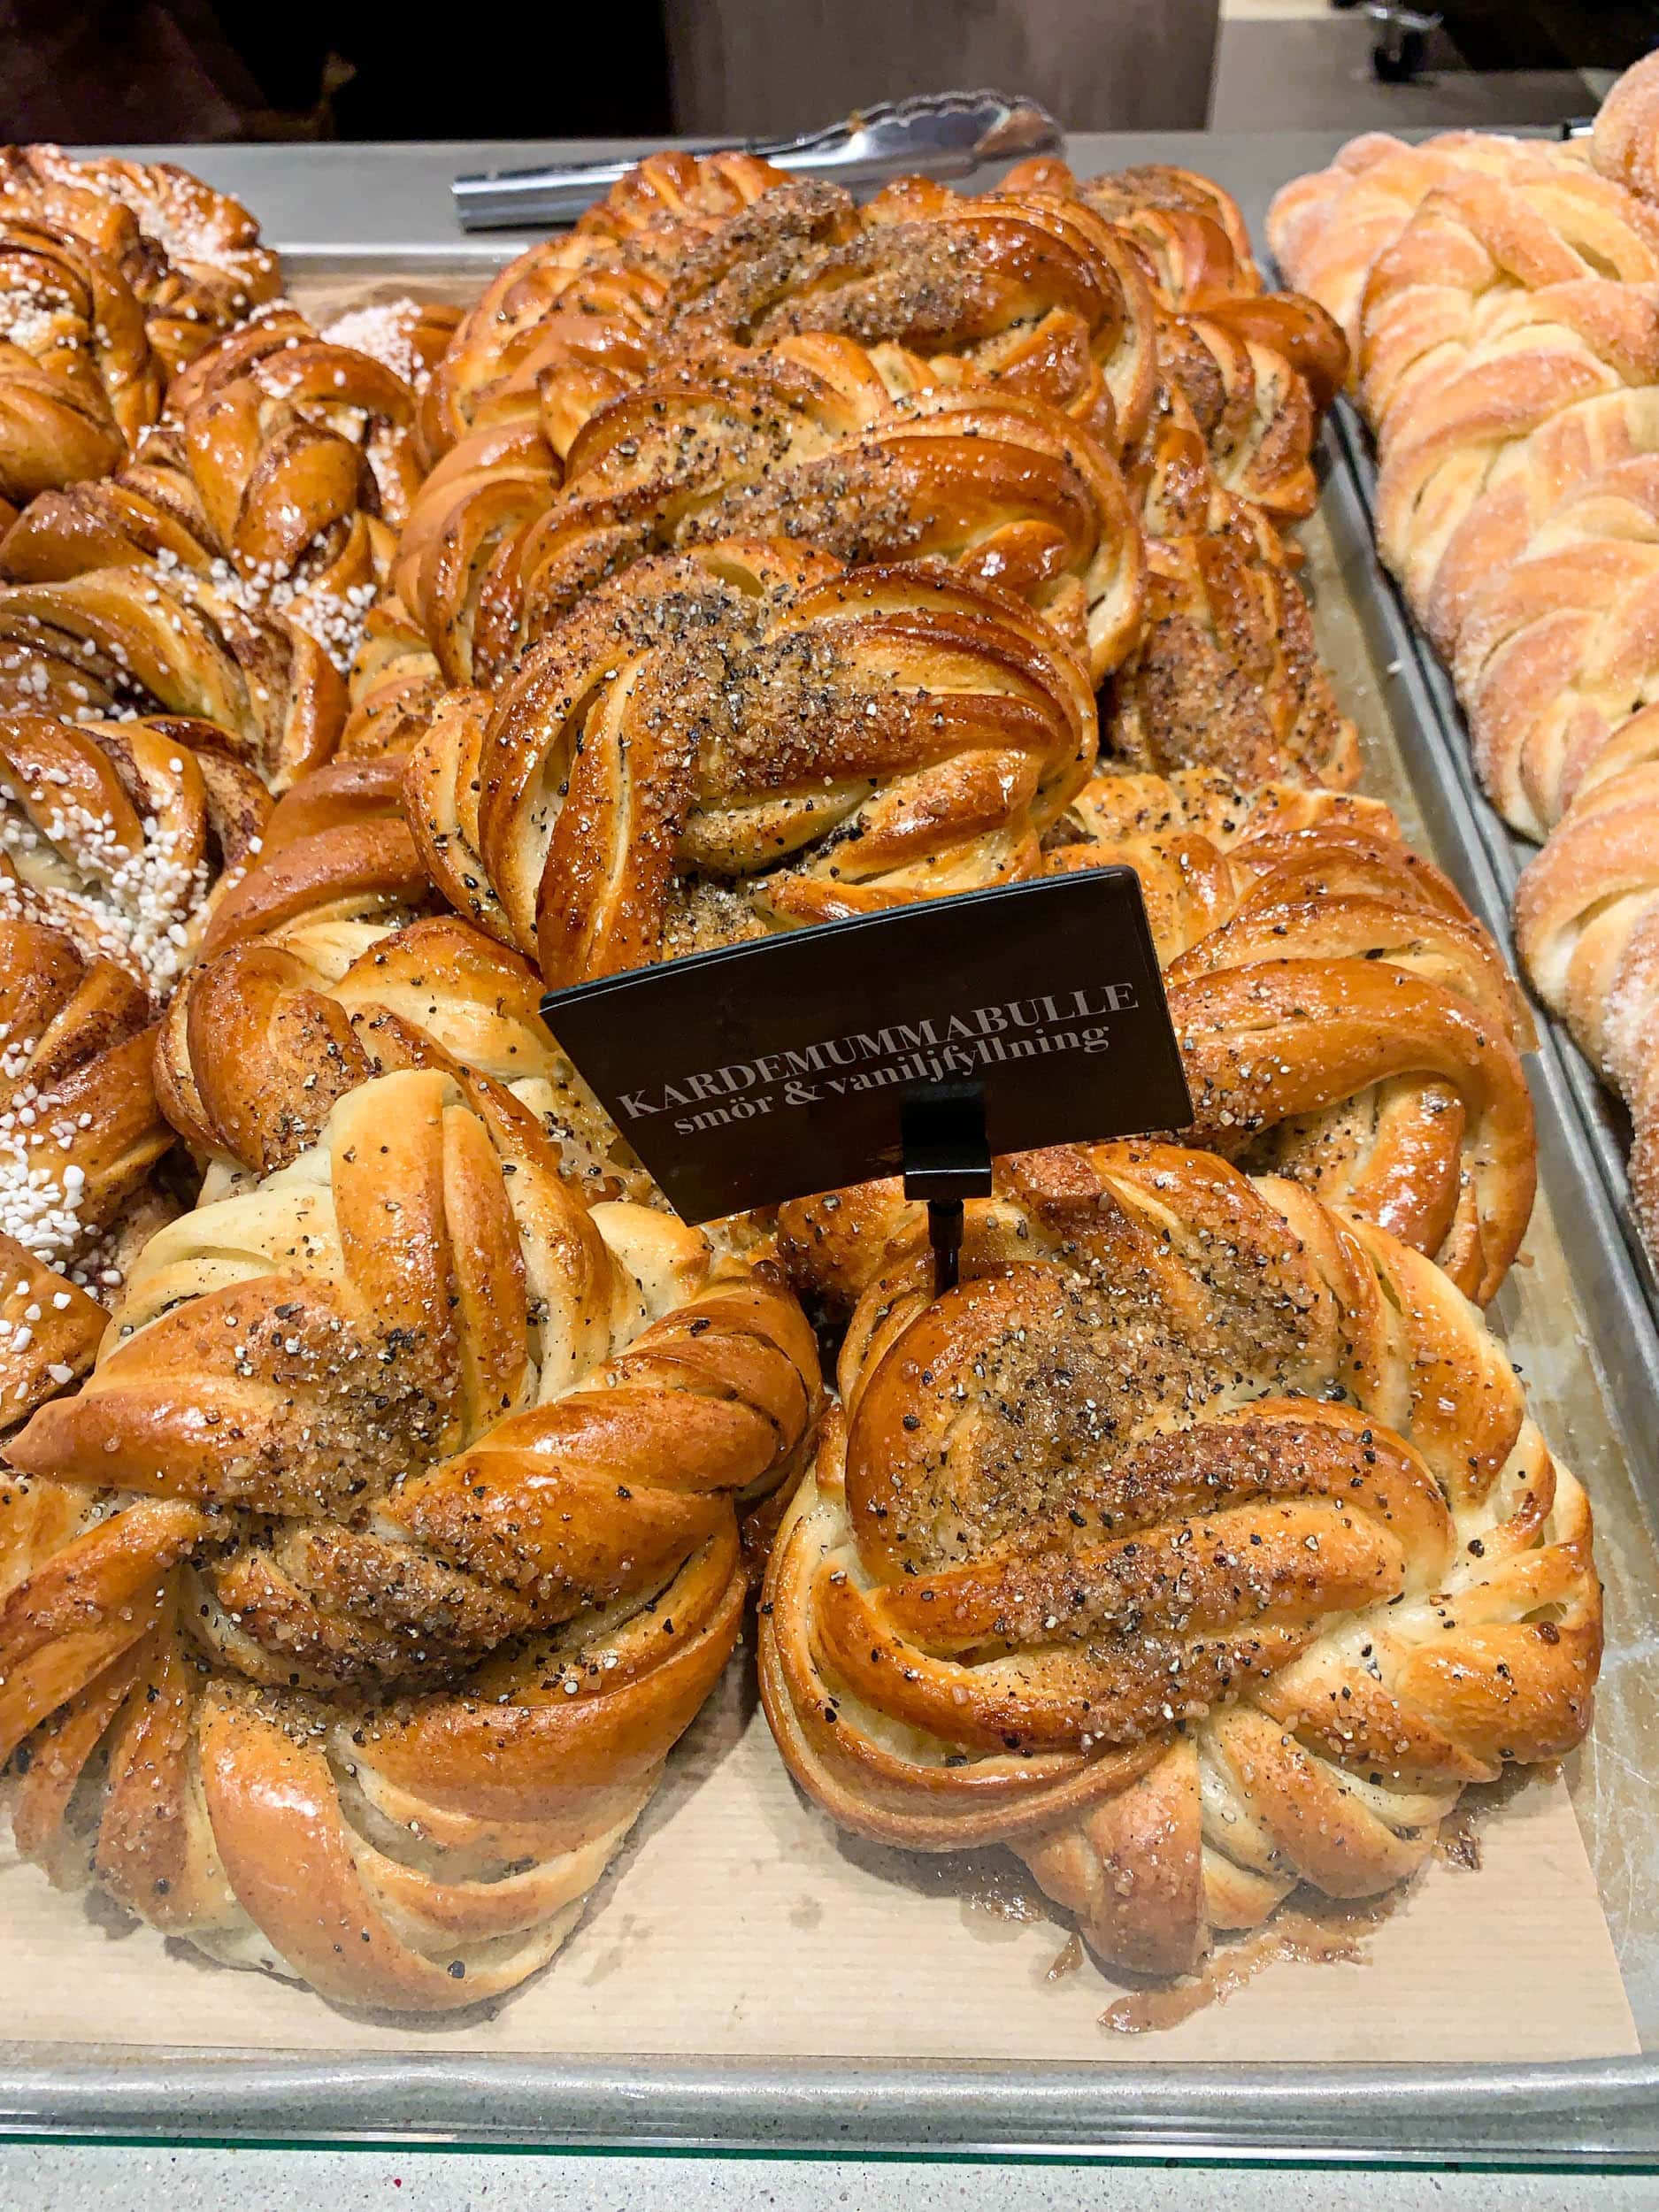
column 1605, row 2111
column 946, row 134
column 350, row 205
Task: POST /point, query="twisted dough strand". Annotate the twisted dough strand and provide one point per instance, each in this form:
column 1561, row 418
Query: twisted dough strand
column 1022, row 290
column 191, row 254
column 116, row 638
column 1256, row 369
column 111, row 835
column 1197, row 1545
column 324, row 1004
column 389, row 1624
column 285, row 467
column 714, row 746
column 805, row 439
column 78, row 380
column 1342, row 1019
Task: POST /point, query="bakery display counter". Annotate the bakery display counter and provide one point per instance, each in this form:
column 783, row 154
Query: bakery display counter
column 424, row 1816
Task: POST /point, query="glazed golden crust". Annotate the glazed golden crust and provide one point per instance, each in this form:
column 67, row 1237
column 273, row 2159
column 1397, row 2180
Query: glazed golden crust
column 575, row 305
column 78, row 380
column 1197, row 1545
column 112, row 275
column 327, row 1001
column 192, row 254
column 117, row 639
column 746, row 739
column 391, row 1618
column 1342, row 1019
column 812, row 439
column 1028, row 291
column 283, row 471
column 111, row 837
column 1256, row 368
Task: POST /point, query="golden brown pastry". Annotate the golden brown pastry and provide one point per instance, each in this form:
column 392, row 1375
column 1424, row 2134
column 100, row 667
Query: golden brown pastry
column 279, row 478
column 1030, row 292
column 1197, row 1546
column 576, row 304
column 78, row 378
column 1342, row 1020
column 743, row 739
column 804, row 440
column 112, row 836
column 358, row 1658
column 192, row 254
column 117, row 641
column 1256, row 369
column 1225, row 675
column 323, row 1005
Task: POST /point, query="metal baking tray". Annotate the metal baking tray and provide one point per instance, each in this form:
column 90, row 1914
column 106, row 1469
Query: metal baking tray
column 1577, row 1318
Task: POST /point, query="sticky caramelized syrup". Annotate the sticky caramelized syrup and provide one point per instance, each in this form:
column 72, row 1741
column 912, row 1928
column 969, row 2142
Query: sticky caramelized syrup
column 1333, row 1935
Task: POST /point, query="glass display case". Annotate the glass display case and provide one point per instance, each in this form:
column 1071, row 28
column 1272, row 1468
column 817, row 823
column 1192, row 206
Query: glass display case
column 746, row 1975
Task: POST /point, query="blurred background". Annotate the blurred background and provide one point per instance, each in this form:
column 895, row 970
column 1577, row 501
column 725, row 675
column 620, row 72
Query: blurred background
column 109, row 70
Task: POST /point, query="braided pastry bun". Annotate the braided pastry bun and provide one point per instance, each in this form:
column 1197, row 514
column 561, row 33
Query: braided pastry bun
column 118, row 835
column 326, row 960
column 1198, row 1545
column 558, row 334
column 120, row 641
column 1556, row 660
column 323, row 1005
column 385, row 1628
column 1586, row 926
column 804, row 440
column 1178, row 219
column 1488, row 318
column 191, row 254
column 1328, row 228
column 280, row 476
column 743, row 740
column 78, row 378
column 1446, row 288
column 1256, row 369
column 1624, row 141
column 111, row 837
column 1225, row 675
column 1584, row 904
column 1030, row 291
column 571, row 312
column 1342, row 1021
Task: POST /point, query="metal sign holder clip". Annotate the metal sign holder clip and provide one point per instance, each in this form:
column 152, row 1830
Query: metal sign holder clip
column 947, row 1159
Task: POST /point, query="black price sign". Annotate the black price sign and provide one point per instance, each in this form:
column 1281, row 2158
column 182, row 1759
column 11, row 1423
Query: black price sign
column 786, row 1066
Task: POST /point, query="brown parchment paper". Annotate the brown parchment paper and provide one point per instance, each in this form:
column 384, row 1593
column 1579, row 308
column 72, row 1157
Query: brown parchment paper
column 738, row 1921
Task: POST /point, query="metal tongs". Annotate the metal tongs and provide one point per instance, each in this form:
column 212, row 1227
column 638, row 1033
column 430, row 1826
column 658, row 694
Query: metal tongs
column 936, row 134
